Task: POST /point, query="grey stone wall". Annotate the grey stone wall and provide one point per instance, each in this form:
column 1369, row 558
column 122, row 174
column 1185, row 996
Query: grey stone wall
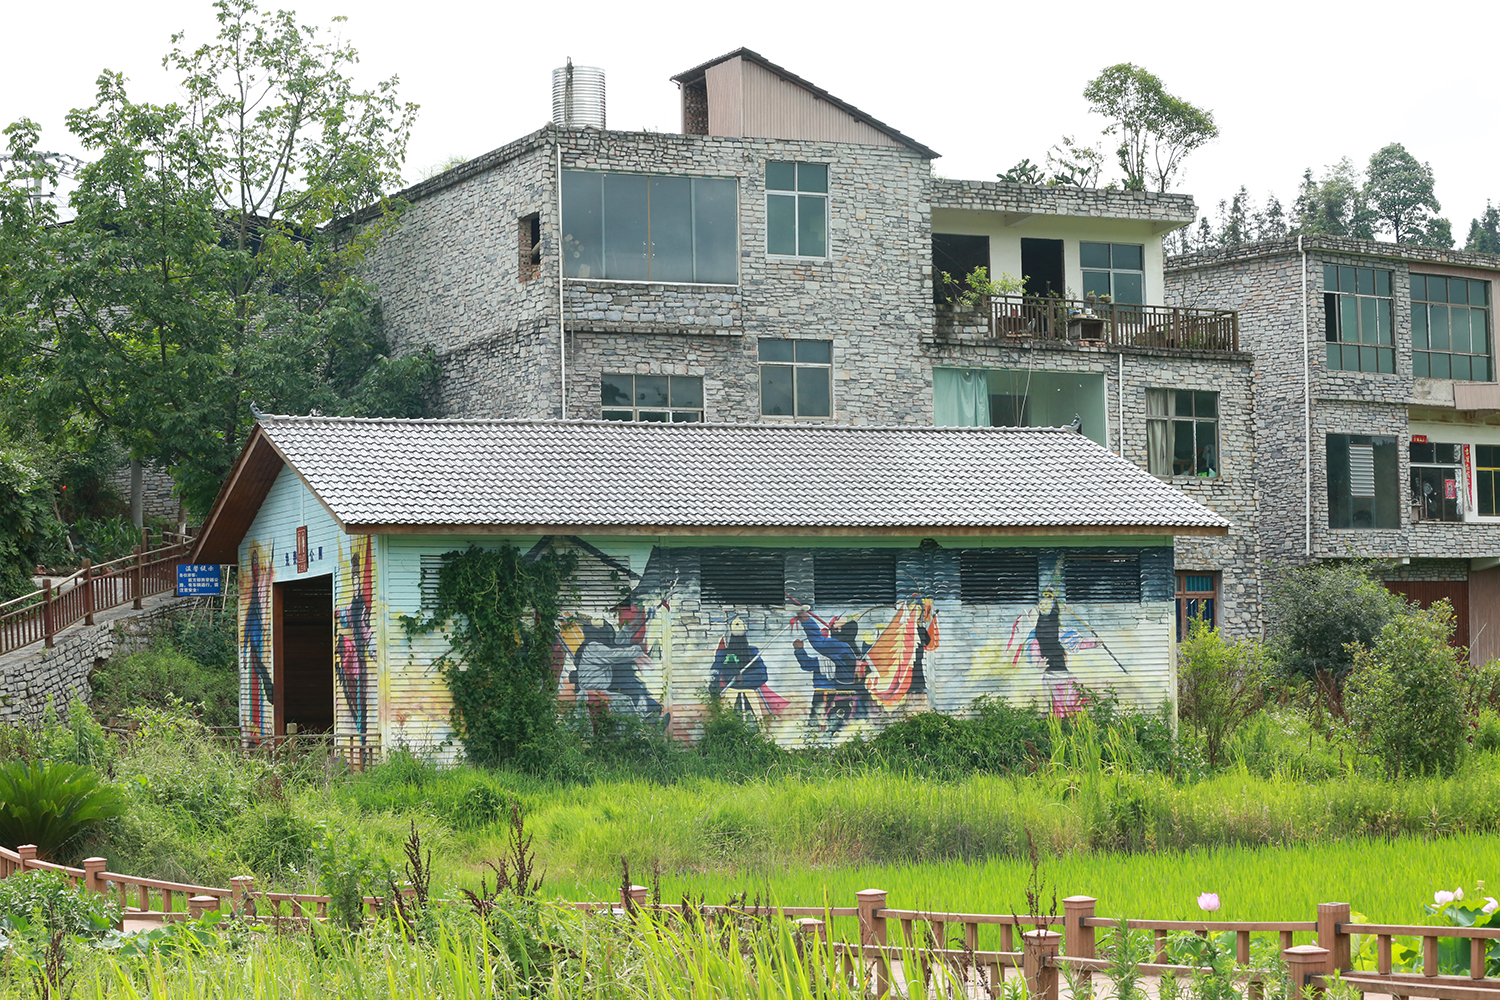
column 1033, row 199
column 157, row 485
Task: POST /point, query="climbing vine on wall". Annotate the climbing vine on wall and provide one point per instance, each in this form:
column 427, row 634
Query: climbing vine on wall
column 503, row 612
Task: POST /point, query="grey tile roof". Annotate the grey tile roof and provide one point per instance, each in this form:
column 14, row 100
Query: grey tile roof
column 600, row 474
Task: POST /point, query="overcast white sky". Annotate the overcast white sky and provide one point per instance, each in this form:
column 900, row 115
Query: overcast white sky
column 1292, row 84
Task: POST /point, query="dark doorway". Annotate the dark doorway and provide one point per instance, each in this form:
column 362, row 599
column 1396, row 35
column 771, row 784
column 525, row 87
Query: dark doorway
column 959, row 256
column 304, row 655
column 1042, row 264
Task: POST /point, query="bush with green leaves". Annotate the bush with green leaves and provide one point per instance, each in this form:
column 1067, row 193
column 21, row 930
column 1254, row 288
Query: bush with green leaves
column 174, row 762
column 53, row 805
column 29, row 529
column 58, row 903
column 153, row 677
column 1315, row 612
column 1404, row 695
column 1220, row 684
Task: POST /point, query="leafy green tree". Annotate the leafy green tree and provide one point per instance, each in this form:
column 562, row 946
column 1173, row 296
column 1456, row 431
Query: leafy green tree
column 1073, row 164
column 1484, row 232
column 203, row 274
column 1399, row 191
column 1271, row 222
column 1317, row 611
column 1405, row 696
column 1334, row 205
column 1220, row 684
column 1156, row 129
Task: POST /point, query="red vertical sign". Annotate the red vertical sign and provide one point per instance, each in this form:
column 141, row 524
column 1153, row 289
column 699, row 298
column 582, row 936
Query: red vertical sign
column 1469, row 500
column 302, row 549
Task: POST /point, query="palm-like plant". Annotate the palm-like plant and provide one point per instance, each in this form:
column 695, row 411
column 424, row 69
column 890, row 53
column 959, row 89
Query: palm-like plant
column 52, row 805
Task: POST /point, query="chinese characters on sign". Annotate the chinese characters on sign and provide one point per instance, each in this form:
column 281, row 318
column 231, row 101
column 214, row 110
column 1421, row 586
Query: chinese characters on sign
column 198, row 581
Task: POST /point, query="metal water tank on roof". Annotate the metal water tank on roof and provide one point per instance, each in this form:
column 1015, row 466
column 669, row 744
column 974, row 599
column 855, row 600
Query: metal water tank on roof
column 578, row 96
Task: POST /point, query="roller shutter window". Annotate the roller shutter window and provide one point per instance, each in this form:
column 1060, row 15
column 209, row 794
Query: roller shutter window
column 1103, row 578
column 989, row 577
column 854, row 578
column 742, row 576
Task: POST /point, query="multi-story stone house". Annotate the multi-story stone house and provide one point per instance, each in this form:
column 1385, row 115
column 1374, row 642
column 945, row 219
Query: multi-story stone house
column 1377, row 410
column 782, row 259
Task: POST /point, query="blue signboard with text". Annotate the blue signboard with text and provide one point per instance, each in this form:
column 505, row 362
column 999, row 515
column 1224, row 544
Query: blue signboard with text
column 198, row 580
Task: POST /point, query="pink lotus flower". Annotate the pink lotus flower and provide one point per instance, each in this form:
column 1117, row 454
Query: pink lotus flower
column 1442, row 897
column 1208, row 902
column 1491, row 904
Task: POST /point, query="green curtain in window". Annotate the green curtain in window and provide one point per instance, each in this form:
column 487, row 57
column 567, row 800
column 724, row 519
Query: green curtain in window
column 961, row 397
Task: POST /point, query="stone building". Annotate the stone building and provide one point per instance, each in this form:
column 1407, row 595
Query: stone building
column 782, row 258
column 1376, row 409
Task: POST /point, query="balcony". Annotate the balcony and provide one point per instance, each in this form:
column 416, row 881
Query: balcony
column 1019, row 318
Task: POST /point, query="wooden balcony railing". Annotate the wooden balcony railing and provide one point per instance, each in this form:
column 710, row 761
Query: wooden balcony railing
column 41, row 614
column 1028, row 318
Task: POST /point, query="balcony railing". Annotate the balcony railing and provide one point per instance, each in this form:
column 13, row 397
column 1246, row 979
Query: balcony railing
column 1022, row 317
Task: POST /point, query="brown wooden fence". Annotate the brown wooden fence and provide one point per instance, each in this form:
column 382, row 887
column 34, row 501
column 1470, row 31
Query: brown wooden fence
column 929, row 942
column 40, row 615
column 1025, row 317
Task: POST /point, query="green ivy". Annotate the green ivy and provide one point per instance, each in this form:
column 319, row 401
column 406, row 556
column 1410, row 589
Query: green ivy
column 502, row 611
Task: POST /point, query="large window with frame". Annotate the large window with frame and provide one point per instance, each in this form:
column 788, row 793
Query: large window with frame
column 796, row 209
column 1357, row 318
column 1487, row 479
column 1197, row 597
column 676, row 399
column 650, row 227
column 1450, row 328
column 1182, row 433
column 1436, row 481
column 1114, row 269
column 796, row 378
column 1362, row 477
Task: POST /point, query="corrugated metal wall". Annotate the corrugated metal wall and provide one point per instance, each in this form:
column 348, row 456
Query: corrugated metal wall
column 774, row 109
column 820, row 643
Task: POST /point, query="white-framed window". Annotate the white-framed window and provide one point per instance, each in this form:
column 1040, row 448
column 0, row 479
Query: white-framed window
column 796, row 209
column 676, row 399
column 796, row 378
column 1182, row 433
column 1114, row 269
column 650, row 227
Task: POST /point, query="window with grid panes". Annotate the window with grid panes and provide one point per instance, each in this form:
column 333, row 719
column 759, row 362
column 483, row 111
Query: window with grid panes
column 1197, row 597
column 1487, row 479
column 1182, row 433
column 1357, row 316
column 1363, row 490
column 661, row 399
column 796, row 209
column 1114, row 269
column 650, row 227
column 1435, row 481
column 796, row 378
column 1450, row 329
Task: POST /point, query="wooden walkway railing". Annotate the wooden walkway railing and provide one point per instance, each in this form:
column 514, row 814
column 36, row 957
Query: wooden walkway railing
column 933, row 940
column 41, row 614
column 1032, row 318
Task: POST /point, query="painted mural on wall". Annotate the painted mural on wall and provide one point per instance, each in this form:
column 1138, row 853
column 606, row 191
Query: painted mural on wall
column 256, row 654
column 354, row 633
column 816, row 671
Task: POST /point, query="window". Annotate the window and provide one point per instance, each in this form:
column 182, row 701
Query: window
column 1114, row 269
column 796, row 378
column 1487, row 479
column 1357, row 307
column 1182, row 432
column 742, row 576
column 1450, row 328
column 989, row 577
column 1102, row 578
column 648, row 227
column 1197, row 597
column 1436, row 482
column 529, row 246
column 854, row 578
column 1362, row 480
column 796, row 209
column 661, row 399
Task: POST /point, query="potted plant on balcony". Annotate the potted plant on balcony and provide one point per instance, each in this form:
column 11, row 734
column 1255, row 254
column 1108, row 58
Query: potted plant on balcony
column 977, row 290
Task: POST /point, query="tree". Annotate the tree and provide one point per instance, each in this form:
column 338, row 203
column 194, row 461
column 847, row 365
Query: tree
column 1399, row 191
column 1484, row 232
column 1334, row 205
column 1156, row 129
column 1271, row 222
column 202, row 274
column 1220, row 684
column 1317, row 611
column 1075, row 165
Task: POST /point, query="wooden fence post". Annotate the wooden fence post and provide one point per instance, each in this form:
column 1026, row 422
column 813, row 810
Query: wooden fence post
column 199, row 905
column 47, row 611
column 1302, row 963
column 138, row 574
column 27, row 853
column 872, row 933
column 87, row 583
column 1038, row 948
column 240, row 888
column 92, row 869
column 1078, row 937
column 1331, row 937
column 811, row 928
column 632, row 898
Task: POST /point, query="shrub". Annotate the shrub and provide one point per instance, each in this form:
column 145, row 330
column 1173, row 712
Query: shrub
column 1487, row 731
column 173, row 761
column 52, row 805
column 732, row 743
column 1316, row 612
column 1404, row 694
column 63, row 906
column 1220, row 684
column 271, row 840
column 158, row 674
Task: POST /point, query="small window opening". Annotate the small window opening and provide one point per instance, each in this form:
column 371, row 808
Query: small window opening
column 531, row 246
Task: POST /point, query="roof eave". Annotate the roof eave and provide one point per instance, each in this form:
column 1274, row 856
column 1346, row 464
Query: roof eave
column 792, row 531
